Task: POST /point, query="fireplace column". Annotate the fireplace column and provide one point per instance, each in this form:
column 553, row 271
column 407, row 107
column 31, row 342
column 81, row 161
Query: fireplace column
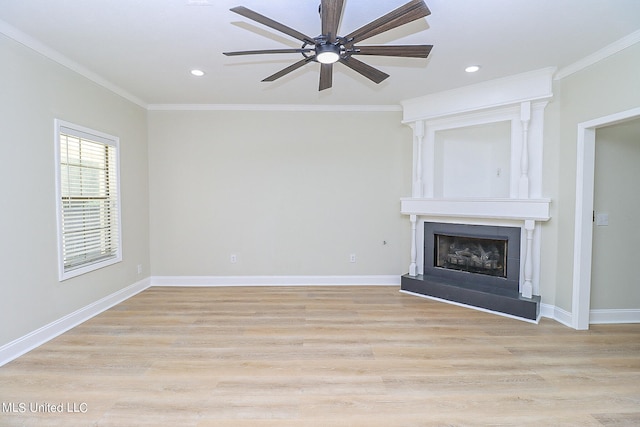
column 413, row 267
column 418, row 137
column 525, row 117
column 527, row 285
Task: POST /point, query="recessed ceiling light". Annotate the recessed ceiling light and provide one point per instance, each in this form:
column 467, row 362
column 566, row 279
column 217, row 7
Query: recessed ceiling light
column 197, row 73
column 472, row 68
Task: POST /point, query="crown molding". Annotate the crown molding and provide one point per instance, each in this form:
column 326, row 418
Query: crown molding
column 272, row 107
column 599, row 55
column 52, row 54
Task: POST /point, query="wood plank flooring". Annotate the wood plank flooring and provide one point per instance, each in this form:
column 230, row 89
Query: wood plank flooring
column 321, row 356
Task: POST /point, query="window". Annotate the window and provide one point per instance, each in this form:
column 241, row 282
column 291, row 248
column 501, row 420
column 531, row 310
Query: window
column 88, row 195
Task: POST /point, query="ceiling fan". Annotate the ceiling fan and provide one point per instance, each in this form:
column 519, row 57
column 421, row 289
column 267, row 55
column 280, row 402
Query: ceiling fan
column 329, row 48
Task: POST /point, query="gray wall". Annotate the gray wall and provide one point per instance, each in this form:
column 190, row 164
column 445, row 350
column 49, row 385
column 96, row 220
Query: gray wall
column 290, row 193
column 614, row 272
column 34, row 91
column 607, row 87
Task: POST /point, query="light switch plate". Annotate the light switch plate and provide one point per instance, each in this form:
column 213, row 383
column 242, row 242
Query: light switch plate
column 602, row 219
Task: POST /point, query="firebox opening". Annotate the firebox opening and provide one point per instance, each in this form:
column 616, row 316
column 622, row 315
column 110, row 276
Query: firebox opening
column 471, row 254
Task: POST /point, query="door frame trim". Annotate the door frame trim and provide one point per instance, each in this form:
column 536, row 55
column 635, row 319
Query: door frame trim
column 583, row 235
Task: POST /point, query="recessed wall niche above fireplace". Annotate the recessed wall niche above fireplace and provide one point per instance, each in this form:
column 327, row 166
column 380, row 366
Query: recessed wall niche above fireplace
column 476, row 207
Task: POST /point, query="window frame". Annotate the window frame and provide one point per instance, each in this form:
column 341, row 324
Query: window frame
column 84, row 133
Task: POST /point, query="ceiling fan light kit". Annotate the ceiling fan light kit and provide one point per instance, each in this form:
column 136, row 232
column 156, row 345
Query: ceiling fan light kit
column 329, row 48
column 327, row 53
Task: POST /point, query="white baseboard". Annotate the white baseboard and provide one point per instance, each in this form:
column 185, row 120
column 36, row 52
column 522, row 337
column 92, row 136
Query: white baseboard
column 614, row 316
column 26, row 343
column 596, row 317
column 557, row 314
column 378, row 280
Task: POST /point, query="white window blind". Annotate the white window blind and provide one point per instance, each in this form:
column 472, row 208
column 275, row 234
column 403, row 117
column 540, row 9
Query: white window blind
column 88, row 200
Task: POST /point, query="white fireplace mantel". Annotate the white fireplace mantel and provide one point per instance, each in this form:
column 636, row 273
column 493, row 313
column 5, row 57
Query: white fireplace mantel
column 477, row 159
column 509, row 209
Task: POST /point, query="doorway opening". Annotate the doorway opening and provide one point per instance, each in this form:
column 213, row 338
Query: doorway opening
column 583, row 236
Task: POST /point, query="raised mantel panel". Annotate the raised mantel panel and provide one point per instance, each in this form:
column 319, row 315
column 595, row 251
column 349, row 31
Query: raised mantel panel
column 530, row 86
column 509, row 209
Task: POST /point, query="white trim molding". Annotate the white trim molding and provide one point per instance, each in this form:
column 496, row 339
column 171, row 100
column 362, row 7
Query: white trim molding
column 583, row 234
column 514, row 209
column 555, row 313
column 600, row 316
column 107, row 158
column 220, row 281
column 26, row 343
column 598, row 56
column 273, row 107
column 61, row 59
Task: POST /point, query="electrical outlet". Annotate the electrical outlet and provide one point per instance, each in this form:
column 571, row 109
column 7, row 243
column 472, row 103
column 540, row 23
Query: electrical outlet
column 139, row 268
column 352, row 258
column 233, row 258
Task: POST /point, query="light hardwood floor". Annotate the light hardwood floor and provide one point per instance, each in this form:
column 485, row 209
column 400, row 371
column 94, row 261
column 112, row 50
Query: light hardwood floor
column 322, row 356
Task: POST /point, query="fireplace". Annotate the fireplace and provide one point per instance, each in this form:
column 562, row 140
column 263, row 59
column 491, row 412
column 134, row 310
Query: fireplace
column 474, row 265
column 473, row 254
column 478, row 161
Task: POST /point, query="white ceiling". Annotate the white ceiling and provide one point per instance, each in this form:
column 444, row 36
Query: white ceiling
column 147, row 47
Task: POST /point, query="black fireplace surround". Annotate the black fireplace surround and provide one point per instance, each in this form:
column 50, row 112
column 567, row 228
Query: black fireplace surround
column 474, row 265
column 508, row 235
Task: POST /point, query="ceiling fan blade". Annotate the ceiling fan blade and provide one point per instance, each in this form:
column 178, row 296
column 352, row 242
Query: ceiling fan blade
column 257, row 52
column 326, row 76
column 255, row 16
column 411, row 11
column 331, row 13
column 287, row 70
column 368, row 71
column 407, row 51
